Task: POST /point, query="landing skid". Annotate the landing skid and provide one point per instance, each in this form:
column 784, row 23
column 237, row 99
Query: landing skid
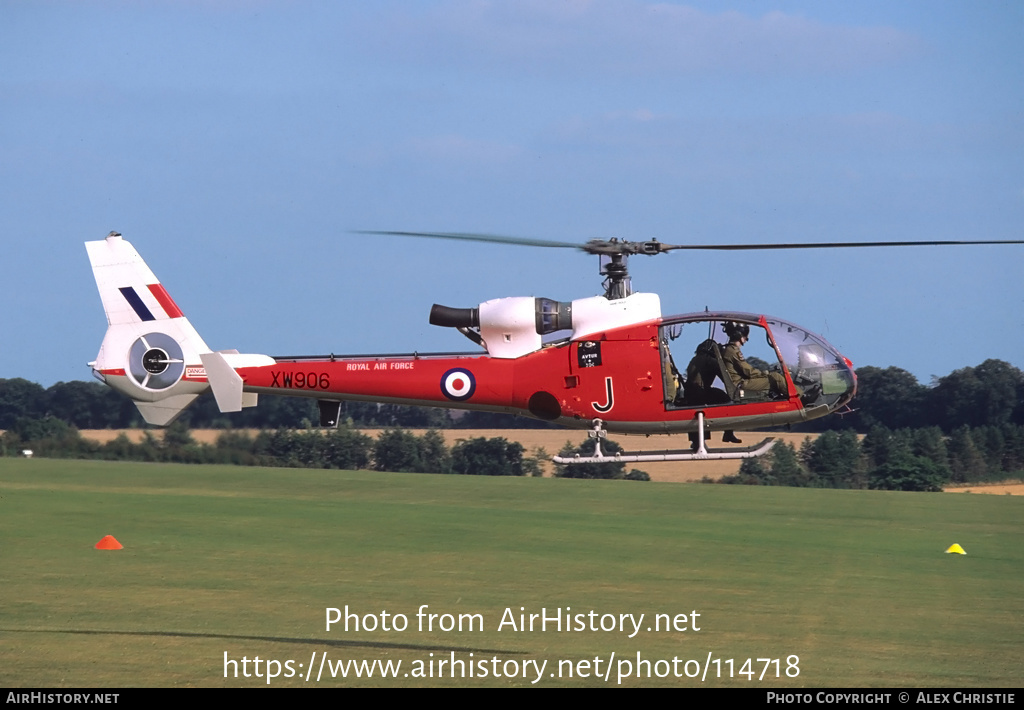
column 699, row 454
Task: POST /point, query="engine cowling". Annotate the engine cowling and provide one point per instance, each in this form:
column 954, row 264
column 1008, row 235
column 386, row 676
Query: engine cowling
column 513, row 327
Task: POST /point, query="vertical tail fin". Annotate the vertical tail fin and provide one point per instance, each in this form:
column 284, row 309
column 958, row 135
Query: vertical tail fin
column 150, row 352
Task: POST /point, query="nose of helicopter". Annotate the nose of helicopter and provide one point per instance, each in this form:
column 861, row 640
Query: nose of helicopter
column 824, row 376
column 836, row 387
column 853, row 376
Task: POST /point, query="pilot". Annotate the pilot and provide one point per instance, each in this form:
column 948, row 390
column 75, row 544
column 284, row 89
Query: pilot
column 742, row 374
column 700, row 374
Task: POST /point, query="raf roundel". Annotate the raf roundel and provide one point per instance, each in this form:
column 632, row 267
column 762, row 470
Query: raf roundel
column 458, row 384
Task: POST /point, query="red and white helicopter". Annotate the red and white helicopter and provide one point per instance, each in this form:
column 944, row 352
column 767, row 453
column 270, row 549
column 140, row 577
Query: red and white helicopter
column 605, row 363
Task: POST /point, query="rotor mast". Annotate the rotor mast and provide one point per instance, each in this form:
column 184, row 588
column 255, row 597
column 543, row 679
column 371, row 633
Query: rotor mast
column 617, row 283
column 614, row 254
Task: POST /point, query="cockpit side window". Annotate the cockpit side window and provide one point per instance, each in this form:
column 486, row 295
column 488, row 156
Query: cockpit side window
column 719, row 369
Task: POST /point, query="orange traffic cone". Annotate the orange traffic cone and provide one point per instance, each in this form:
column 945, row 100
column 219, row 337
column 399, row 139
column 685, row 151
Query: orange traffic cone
column 109, row 543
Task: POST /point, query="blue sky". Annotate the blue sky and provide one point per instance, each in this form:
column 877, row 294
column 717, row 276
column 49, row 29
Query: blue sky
column 237, row 144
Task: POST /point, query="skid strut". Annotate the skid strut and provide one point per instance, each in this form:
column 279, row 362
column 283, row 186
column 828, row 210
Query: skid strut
column 699, row 453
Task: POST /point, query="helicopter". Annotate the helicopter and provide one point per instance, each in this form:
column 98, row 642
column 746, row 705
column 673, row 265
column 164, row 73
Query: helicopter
column 604, row 363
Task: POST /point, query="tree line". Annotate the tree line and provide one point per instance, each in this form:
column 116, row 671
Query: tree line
column 990, row 394
column 921, row 459
column 965, row 427
column 92, row 405
column 343, row 448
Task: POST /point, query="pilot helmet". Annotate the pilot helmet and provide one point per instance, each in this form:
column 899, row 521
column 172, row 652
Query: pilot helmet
column 735, row 331
column 708, row 347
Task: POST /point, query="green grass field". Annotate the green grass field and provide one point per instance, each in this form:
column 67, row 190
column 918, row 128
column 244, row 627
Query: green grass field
column 244, row 562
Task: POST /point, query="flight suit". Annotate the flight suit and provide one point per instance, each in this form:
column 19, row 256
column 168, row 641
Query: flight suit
column 701, row 374
column 749, row 378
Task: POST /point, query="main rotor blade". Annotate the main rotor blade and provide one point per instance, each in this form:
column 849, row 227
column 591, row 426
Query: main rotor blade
column 477, row 238
column 832, row 245
column 653, row 246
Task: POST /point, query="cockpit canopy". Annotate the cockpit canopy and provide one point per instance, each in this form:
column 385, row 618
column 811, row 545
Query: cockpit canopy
column 706, row 363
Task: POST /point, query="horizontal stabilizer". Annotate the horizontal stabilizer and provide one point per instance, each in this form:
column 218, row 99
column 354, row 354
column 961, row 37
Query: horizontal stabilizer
column 225, row 382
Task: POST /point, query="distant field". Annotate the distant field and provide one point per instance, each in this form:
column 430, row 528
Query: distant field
column 996, row 489
column 842, row 588
column 551, row 440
